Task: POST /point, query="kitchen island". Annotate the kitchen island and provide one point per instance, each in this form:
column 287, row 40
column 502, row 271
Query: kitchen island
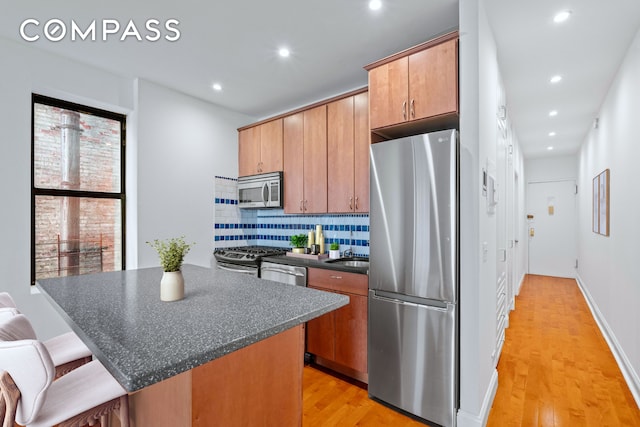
column 229, row 353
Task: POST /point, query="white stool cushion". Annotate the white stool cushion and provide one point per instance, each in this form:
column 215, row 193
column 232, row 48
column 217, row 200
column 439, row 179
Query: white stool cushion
column 7, row 313
column 17, row 328
column 31, row 368
column 6, row 300
column 66, row 348
column 84, row 388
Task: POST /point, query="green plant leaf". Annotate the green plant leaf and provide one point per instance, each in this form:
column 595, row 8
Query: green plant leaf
column 171, row 252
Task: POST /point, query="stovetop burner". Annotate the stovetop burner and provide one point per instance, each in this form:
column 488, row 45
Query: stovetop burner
column 247, row 255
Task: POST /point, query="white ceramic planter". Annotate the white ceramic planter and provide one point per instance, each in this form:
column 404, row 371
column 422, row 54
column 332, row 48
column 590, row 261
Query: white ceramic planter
column 334, row 254
column 172, row 286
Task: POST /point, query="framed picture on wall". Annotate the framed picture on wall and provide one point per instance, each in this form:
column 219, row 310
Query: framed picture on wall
column 596, row 205
column 600, row 214
column 604, row 203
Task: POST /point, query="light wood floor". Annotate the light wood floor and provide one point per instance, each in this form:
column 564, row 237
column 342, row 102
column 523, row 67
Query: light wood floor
column 556, row 368
column 331, row 401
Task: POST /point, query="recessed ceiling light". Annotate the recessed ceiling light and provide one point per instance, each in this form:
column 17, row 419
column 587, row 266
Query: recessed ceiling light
column 556, row 78
column 217, row 87
column 562, row 16
column 375, row 4
column 552, row 134
column 553, row 113
column 549, row 148
column 284, row 52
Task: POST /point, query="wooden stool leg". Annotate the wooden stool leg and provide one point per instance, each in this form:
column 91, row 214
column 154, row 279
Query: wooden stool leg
column 10, row 397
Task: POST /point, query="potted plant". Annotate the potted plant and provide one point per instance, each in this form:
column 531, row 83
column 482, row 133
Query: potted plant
column 171, row 252
column 334, row 250
column 298, row 241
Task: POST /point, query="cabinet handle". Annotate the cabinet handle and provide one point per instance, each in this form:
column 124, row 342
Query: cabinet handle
column 305, row 204
column 336, row 277
column 300, row 205
column 413, row 110
column 351, row 203
column 356, row 202
column 404, row 110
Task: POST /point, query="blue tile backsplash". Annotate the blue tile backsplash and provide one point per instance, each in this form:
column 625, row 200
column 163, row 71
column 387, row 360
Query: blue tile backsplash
column 272, row 227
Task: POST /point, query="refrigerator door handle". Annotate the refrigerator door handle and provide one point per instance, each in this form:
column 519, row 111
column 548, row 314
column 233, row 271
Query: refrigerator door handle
column 411, row 301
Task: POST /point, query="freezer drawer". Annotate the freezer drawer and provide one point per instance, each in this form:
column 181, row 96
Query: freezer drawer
column 412, row 357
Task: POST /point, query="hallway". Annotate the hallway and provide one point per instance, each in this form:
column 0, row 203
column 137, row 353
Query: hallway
column 556, row 368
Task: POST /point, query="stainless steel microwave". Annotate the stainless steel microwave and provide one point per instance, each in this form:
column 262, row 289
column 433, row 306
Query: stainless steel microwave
column 260, row 191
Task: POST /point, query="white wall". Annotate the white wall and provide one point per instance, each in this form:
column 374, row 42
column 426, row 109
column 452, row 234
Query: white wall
column 176, row 145
column 608, row 266
column 183, row 143
column 26, row 70
column 481, row 93
column 552, row 169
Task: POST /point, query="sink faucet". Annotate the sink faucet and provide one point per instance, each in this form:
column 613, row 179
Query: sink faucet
column 348, row 253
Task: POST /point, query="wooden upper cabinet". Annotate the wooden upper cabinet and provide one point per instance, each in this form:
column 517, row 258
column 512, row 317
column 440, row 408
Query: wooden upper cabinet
column 348, row 154
column 433, row 82
column 340, row 153
column 305, row 161
column 293, row 163
column 260, row 148
column 271, row 146
column 362, row 142
column 420, row 85
column 389, row 93
column 248, row 151
column 315, row 160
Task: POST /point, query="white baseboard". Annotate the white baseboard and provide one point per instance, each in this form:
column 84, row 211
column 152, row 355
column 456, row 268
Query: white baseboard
column 520, row 283
column 466, row 419
column 629, row 374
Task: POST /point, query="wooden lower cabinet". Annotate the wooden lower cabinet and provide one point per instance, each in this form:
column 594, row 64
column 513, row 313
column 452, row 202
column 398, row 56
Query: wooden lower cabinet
column 339, row 339
column 258, row 385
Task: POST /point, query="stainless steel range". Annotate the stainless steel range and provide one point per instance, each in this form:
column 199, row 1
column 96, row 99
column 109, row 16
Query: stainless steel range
column 245, row 259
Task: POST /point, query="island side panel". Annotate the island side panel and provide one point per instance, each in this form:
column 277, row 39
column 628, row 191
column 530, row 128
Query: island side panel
column 164, row 404
column 259, row 385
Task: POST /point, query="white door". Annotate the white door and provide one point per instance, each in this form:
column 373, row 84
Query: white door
column 552, row 228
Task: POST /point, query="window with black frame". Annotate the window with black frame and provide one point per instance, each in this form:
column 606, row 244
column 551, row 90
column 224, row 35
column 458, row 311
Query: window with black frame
column 78, row 189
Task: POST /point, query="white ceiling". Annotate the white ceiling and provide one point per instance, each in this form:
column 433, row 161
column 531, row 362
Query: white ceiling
column 586, row 50
column 236, row 43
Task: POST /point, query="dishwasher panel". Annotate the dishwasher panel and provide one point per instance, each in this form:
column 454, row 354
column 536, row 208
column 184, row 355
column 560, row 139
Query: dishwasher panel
column 289, row 274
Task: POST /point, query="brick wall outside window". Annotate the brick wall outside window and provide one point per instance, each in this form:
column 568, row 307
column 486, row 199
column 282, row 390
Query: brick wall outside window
column 100, row 219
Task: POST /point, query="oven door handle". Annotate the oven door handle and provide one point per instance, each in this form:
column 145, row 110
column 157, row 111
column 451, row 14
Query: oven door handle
column 265, row 193
column 279, row 270
column 235, row 270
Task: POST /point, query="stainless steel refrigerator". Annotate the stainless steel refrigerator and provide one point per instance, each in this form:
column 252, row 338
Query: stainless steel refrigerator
column 413, row 279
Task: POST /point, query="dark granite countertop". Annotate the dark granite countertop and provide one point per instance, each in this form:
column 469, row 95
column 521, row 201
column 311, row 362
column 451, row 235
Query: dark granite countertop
column 289, row 260
column 142, row 340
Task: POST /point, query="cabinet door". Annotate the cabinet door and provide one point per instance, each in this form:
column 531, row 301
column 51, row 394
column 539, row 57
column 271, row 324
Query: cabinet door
column 433, row 81
column 293, row 141
column 248, row 151
column 271, row 151
column 389, row 93
column 321, row 335
column 340, row 156
column 315, row 160
column 361, row 151
column 351, row 333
